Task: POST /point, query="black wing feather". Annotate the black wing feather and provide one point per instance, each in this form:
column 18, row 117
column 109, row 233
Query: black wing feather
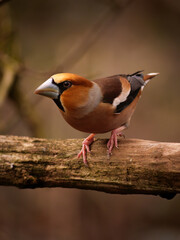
column 136, row 81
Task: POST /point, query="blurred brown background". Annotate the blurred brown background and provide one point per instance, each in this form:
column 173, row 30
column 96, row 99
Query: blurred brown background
column 93, row 38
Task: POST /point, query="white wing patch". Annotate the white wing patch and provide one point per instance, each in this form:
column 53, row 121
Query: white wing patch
column 126, row 88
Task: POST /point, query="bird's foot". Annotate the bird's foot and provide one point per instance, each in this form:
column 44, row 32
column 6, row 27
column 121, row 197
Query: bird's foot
column 85, row 147
column 113, row 141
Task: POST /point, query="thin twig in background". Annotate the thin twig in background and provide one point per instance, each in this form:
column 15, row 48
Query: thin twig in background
column 10, row 70
column 93, row 34
column 87, row 40
column 3, row 1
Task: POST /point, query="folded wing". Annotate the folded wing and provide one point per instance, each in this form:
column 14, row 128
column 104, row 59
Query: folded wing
column 120, row 90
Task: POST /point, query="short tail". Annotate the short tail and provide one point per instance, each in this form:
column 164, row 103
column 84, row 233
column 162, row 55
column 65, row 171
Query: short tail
column 149, row 76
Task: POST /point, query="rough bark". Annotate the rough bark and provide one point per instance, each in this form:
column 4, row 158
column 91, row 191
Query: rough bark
column 136, row 167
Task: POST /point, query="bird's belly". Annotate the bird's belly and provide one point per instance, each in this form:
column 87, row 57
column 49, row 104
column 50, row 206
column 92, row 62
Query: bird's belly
column 99, row 121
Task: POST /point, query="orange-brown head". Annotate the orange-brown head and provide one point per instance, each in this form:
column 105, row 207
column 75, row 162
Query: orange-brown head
column 69, row 91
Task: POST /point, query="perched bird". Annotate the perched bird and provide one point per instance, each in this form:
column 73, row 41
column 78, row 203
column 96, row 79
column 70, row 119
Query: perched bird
column 98, row 106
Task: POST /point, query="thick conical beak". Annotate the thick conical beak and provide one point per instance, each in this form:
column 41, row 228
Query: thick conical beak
column 48, row 89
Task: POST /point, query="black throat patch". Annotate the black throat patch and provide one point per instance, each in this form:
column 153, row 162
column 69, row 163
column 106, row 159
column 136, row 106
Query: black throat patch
column 58, row 103
column 62, row 87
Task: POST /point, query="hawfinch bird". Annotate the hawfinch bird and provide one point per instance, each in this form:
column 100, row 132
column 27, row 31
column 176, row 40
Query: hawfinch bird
column 98, row 106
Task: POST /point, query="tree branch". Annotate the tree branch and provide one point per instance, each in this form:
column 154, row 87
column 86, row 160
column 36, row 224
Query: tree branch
column 136, row 167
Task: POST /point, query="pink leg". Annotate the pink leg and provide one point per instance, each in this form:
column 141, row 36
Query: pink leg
column 113, row 139
column 85, row 147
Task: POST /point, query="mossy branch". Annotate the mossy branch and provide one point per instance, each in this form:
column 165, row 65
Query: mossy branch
column 136, row 167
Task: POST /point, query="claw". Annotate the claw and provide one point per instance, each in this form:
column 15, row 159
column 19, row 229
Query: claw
column 85, row 148
column 113, row 141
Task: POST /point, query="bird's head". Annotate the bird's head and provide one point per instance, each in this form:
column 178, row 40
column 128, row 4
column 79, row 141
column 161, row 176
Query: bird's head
column 69, row 91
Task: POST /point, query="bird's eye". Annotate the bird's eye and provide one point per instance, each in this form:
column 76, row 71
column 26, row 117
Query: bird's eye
column 67, row 84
